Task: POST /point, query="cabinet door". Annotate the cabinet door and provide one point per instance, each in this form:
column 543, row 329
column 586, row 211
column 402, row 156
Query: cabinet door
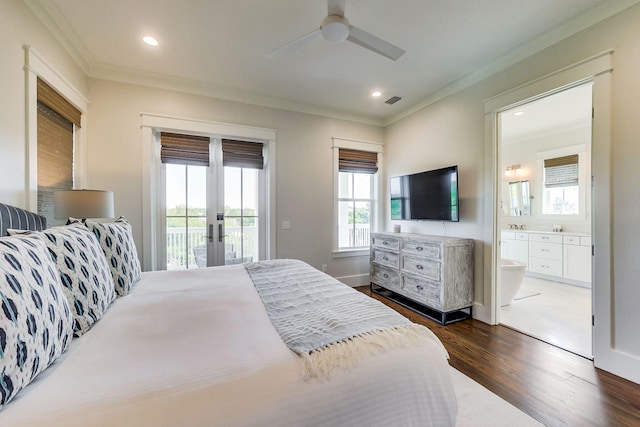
column 577, row 263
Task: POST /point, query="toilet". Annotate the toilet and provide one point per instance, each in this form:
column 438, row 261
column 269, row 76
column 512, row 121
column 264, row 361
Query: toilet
column 511, row 275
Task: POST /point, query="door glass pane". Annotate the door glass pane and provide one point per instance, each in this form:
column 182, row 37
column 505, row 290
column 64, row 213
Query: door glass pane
column 241, row 215
column 176, row 185
column 176, row 243
column 249, row 239
column 197, row 191
column 186, row 216
column 232, row 240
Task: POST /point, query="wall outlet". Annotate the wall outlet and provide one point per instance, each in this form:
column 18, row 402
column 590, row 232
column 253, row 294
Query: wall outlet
column 324, row 268
column 286, row 225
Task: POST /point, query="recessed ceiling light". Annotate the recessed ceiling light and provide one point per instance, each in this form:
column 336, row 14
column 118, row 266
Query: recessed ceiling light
column 518, row 113
column 151, row 41
column 376, row 93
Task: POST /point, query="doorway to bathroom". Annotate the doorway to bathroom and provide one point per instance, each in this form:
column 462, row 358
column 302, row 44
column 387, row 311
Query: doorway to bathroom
column 545, row 218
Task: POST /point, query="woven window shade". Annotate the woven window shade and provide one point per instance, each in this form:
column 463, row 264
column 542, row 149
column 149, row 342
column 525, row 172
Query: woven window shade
column 357, row 161
column 55, row 159
column 52, row 99
column 184, row 149
column 561, row 171
column 242, row 154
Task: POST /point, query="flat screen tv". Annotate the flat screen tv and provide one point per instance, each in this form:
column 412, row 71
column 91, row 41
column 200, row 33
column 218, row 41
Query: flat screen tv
column 429, row 195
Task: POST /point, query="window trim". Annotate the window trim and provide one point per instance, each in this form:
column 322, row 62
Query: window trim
column 583, row 182
column 376, row 217
column 152, row 203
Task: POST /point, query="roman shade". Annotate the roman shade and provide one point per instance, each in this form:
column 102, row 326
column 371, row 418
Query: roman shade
column 56, row 121
column 357, row 161
column 184, row 149
column 52, row 99
column 242, row 154
column 561, row 171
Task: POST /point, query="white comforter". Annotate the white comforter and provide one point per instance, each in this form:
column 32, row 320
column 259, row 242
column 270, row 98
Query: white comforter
column 196, row 348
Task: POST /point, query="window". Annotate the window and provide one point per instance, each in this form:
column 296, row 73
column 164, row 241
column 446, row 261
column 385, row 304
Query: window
column 356, row 193
column 57, row 122
column 561, row 190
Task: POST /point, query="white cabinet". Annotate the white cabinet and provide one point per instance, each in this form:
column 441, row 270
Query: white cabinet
column 577, row 258
column 545, row 254
column 434, row 272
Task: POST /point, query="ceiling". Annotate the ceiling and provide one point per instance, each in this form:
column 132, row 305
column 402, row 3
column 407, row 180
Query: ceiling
column 569, row 109
column 218, row 48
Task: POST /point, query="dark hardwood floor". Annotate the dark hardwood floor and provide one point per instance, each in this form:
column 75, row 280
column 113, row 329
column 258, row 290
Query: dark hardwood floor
column 554, row 386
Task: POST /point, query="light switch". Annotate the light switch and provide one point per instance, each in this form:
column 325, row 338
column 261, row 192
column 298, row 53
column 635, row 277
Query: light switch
column 286, row 225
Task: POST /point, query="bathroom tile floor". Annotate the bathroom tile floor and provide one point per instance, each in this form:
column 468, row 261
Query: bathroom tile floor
column 556, row 313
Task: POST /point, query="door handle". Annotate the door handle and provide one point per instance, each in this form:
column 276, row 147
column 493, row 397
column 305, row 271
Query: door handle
column 220, row 235
column 210, row 236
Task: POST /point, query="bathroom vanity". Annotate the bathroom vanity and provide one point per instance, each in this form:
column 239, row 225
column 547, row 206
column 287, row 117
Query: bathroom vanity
column 559, row 256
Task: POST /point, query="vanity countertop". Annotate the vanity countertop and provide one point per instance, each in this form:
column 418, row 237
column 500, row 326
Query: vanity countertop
column 560, row 233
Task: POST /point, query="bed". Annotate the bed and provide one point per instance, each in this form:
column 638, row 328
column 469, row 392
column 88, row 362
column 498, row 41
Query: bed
column 220, row 346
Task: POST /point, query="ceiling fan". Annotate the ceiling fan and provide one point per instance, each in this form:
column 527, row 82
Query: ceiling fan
column 335, row 27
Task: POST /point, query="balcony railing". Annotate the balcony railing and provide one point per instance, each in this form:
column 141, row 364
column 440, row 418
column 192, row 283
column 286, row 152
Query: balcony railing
column 189, row 249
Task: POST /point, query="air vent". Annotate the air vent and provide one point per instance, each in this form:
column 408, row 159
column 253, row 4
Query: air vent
column 392, row 100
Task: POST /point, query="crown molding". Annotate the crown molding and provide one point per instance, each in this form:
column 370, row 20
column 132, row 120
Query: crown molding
column 57, row 24
column 162, row 81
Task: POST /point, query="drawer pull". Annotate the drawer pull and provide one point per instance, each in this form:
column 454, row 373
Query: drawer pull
column 419, row 248
column 384, row 242
column 418, row 287
column 544, row 238
column 545, row 250
column 385, row 275
column 419, row 267
column 385, row 258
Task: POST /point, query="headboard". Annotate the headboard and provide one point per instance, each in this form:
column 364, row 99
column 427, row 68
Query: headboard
column 12, row 217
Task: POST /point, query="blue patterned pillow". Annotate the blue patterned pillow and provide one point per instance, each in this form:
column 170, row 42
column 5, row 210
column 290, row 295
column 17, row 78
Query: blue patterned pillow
column 84, row 273
column 116, row 239
column 36, row 324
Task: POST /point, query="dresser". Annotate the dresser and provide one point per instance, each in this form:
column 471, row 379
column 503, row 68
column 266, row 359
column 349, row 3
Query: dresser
column 432, row 275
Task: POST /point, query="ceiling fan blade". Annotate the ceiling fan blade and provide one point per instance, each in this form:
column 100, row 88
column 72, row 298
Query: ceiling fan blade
column 295, row 44
column 335, row 7
column 373, row 43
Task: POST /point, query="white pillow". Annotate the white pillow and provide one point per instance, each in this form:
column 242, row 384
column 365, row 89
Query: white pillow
column 83, row 269
column 36, row 324
column 116, row 239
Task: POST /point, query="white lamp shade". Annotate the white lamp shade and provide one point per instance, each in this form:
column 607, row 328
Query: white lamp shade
column 83, row 204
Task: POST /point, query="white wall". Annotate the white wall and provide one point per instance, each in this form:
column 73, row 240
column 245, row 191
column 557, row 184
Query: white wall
column 524, row 152
column 304, row 158
column 451, row 131
column 20, row 27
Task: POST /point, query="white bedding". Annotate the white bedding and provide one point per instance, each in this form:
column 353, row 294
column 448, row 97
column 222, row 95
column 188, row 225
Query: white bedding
column 196, row 348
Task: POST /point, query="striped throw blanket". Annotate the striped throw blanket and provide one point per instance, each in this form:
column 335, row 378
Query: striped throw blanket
column 327, row 323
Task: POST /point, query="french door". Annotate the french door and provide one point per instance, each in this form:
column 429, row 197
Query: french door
column 214, row 214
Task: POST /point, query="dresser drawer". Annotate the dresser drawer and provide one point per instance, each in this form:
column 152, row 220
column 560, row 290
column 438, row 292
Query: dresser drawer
column 390, row 259
column 546, row 250
column 422, row 291
column 430, row 250
column 422, row 267
column 552, row 267
column 545, row 238
column 385, row 277
column 385, row 242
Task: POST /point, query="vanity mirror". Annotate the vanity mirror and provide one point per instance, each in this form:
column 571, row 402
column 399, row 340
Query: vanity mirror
column 516, row 198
